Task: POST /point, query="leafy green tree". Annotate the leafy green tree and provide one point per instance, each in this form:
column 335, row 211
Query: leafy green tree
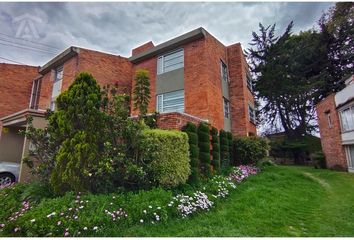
column 141, row 93
column 79, row 122
column 295, row 64
column 337, row 30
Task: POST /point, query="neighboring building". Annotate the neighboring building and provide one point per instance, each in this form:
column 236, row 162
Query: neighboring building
column 193, row 78
column 197, row 76
column 15, row 85
column 46, row 85
column 336, row 122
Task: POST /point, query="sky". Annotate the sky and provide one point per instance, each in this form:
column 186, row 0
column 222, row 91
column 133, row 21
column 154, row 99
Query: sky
column 34, row 33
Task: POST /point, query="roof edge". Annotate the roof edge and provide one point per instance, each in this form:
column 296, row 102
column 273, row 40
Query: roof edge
column 169, row 45
column 59, row 59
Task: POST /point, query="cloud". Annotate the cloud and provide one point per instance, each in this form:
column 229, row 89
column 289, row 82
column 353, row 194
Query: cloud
column 119, row 27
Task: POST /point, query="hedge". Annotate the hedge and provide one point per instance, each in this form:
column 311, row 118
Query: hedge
column 224, row 150
column 250, row 150
column 191, row 130
column 167, row 156
column 204, row 148
column 216, row 149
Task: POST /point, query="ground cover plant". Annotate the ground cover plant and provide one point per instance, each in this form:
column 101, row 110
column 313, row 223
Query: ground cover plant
column 89, row 215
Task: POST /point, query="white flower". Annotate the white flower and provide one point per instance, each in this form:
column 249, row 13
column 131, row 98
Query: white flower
column 150, row 206
column 141, row 220
column 33, row 220
column 158, row 208
column 85, row 228
column 95, row 228
column 145, row 211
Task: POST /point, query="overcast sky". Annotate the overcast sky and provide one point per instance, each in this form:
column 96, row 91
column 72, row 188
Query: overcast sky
column 118, row 27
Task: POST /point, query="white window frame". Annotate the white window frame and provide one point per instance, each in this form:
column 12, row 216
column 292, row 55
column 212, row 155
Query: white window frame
column 59, row 82
column 226, row 107
column 349, row 156
column 160, row 102
column 351, row 124
column 161, row 61
column 34, row 101
column 222, row 66
column 251, row 109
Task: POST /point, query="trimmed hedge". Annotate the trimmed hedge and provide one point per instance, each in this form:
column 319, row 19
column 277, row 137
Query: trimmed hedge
column 204, row 148
column 216, row 149
column 231, row 152
column 250, row 150
column 224, row 150
column 191, row 130
column 167, row 156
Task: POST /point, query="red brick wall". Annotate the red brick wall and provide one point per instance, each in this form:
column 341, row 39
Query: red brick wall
column 239, row 93
column 331, row 137
column 175, row 120
column 151, row 66
column 202, row 83
column 106, row 68
column 15, row 87
column 142, row 48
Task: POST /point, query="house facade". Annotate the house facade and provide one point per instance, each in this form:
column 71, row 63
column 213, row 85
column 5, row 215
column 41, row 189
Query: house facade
column 193, row 78
column 336, row 122
column 195, row 75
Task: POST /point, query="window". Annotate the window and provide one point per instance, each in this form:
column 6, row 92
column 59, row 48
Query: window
column 249, row 82
column 224, row 71
column 329, row 120
column 251, row 113
column 58, row 78
column 36, row 86
column 226, row 108
column 170, row 102
column 347, row 119
column 350, row 154
column 170, row 61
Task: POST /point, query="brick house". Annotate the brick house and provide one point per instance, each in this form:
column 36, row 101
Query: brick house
column 195, row 75
column 46, row 84
column 336, row 122
column 193, row 78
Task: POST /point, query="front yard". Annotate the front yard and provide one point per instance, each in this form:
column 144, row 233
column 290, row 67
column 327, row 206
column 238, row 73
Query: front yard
column 281, row 201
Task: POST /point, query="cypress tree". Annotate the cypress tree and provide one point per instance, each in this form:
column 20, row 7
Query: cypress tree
column 216, row 149
column 191, row 130
column 78, row 123
column 231, row 152
column 224, row 150
column 204, row 149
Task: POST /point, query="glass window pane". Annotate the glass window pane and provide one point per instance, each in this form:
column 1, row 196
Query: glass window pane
column 171, row 102
column 169, row 56
column 56, row 89
column 351, row 156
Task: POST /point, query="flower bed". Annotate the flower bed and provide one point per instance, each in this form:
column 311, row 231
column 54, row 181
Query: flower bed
column 87, row 214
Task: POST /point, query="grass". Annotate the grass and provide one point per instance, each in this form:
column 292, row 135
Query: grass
column 281, row 201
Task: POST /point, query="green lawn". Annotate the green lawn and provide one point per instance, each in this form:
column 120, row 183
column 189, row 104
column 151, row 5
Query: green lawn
column 281, row 201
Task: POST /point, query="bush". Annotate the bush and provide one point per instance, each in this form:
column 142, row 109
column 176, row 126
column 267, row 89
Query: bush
column 191, row 130
column 224, row 150
column 166, row 156
column 79, row 124
column 230, row 141
column 250, row 150
column 319, row 160
column 204, row 149
column 216, row 149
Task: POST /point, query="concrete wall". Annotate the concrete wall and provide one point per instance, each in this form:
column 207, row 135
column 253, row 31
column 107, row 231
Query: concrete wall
column 170, row 81
column 25, row 176
column 11, row 144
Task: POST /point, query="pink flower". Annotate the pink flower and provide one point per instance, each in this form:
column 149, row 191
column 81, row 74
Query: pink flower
column 66, row 234
column 59, row 222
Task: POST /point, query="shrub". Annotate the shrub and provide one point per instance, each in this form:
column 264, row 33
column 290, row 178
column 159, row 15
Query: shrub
column 191, row 130
column 231, row 154
column 250, row 150
column 166, row 156
column 141, row 93
column 224, row 150
column 204, row 148
column 78, row 123
column 319, row 160
column 216, row 149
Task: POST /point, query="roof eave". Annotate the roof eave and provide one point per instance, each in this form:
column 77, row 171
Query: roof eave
column 59, row 59
column 169, row 45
